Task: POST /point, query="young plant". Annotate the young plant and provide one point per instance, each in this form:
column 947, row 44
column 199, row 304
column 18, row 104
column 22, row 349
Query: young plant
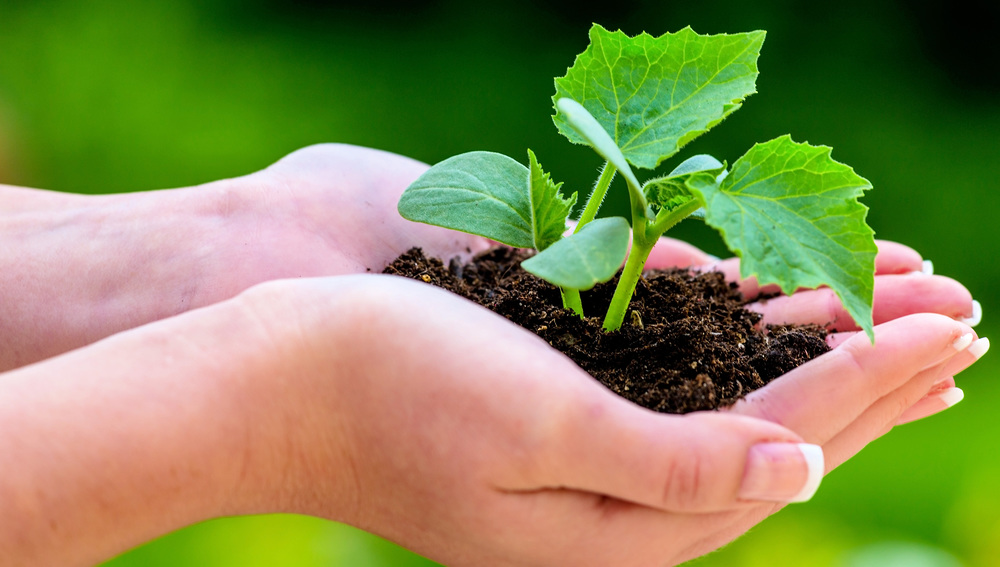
column 787, row 209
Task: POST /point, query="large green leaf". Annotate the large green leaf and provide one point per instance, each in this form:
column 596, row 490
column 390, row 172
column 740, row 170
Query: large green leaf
column 656, row 94
column 490, row 195
column 586, row 258
column 792, row 215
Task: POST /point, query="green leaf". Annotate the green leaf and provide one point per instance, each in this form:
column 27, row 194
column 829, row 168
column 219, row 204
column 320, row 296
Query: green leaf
column 696, row 164
column 586, row 258
column 792, row 215
column 656, row 94
column 549, row 210
column 490, row 195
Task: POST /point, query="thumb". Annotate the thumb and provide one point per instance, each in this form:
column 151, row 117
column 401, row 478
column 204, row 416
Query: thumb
column 699, row 462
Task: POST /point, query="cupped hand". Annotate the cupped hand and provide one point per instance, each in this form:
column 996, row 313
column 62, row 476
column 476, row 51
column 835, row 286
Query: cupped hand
column 433, row 422
column 329, row 209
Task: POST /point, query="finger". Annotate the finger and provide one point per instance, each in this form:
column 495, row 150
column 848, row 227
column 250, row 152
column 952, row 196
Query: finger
column 896, row 258
column 672, row 253
column 937, row 400
column 881, row 417
column 892, row 258
column 958, row 363
column 824, row 396
column 894, row 297
column 700, row 462
column 834, row 340
column 964, row 359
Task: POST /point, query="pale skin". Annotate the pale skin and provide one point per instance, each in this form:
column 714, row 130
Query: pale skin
column 152, row 383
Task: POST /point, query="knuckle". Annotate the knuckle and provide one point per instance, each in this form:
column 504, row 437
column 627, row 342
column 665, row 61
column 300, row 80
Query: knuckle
column 683, row 483
column 853, row 355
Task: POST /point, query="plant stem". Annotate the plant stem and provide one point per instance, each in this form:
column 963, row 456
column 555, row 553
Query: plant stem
column 571, row 300
column 596, row 196
column 626, row 283
column 643, row 239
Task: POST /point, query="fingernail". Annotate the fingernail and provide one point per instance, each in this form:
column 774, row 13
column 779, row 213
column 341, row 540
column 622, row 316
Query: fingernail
column 951, row 396
column 927, row 267
column 979, row 347
column 782, row 472
column 977, row 314
column 963, row 342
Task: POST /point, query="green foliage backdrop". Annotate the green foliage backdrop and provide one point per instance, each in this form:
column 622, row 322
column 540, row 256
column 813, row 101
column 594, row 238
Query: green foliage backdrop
column 109, row 96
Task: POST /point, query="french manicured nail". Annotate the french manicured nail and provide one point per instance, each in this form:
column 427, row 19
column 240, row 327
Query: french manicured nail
column 977, row 314
column 979, row 347
column 782, row 472
column 963, row 342
column 951, row 396
column 927, row 267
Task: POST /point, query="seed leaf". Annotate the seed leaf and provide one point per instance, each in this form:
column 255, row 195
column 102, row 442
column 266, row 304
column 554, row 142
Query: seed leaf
column 656, row 94
column 549, row 210
column 490, row 195
column 596, row 136
column 792, row 215
column 586, row 258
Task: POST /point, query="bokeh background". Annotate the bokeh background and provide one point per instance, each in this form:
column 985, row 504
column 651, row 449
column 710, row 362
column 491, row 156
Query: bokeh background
column 110, row 96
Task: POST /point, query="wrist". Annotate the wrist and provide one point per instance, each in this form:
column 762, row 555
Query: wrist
column 300, row 457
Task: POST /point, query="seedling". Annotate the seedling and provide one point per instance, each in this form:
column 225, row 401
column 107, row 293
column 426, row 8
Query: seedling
column 787, row 209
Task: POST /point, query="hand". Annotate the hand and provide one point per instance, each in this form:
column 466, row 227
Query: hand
column 470, row 440
column 99, row 265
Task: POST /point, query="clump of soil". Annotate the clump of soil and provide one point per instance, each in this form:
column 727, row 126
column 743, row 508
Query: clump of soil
column 687, row 344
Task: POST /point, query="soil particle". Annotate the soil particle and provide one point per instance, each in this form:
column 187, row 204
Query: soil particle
column 688, row 343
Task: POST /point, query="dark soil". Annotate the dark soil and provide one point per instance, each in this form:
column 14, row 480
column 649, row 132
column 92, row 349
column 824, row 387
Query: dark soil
column 687, row 343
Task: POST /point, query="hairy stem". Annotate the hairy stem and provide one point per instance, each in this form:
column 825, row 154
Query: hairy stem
column 596, row 196
column 571, row 300
column 626, row 283
column 665, row 220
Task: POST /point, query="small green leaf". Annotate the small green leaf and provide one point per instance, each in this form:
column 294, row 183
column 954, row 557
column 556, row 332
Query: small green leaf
column 792, row 215
column 667, row 193
column 671, row 191
column 549, row 210
column 698, row 163
column 584, row 124
column 490, row 195
column 584, row 259
column 656, row 94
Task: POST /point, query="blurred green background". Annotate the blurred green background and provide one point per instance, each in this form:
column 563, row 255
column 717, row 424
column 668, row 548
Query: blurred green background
column 110, row 96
